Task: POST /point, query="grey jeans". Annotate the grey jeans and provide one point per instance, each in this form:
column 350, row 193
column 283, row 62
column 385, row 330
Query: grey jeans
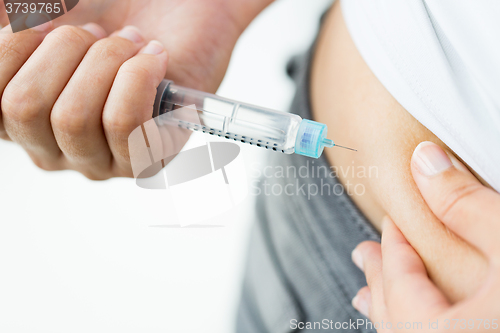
column 299, row 274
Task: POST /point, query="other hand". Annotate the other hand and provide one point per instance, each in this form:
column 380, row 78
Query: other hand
column 399, row 290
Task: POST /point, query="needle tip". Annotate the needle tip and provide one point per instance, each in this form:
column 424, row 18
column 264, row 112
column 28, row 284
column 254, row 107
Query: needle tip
column 346, row 148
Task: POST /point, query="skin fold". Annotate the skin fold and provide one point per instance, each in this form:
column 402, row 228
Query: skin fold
column 361, row 113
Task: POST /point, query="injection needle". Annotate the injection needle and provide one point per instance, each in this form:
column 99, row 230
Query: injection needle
column 346, row 148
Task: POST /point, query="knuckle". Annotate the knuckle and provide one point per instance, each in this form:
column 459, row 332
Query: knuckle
column 20, row 105
column 393, row 291
column 68, row 125
column 451, row 203
column 69, row 35
column 119, row 134
column 131, row 70
column 95, row 177
column 120, row 127
column 47, row 165
column 109, row 49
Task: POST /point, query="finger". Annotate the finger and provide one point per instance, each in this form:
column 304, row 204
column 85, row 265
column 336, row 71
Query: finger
column 130, row 102
column 4, row 19
column 363, row 302
column 408, row 291
column 456, row 197
column 15, row 49
column 31, row 94
column 77, row 115
column 368, row 257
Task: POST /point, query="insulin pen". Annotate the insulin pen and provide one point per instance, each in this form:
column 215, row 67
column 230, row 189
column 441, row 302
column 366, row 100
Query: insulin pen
column 278, row 131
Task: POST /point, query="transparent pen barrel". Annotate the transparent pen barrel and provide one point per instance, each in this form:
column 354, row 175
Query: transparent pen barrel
column 234, row 120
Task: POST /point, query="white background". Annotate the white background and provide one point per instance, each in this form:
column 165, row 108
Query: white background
column 82, row 256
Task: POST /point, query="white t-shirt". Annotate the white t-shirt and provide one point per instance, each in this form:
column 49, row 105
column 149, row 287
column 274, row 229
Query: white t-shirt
column 440, row 59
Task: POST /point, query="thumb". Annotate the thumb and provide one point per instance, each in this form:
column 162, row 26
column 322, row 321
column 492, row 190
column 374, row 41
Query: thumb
column 457, row 198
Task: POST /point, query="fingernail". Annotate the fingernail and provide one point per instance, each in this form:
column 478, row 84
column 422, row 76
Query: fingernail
column 357, row 258
column 43, row 27
column 154, row 47
column 430, row 159
column 132, row 34
column 34, row 21
column 361, row 304
column 95, row 30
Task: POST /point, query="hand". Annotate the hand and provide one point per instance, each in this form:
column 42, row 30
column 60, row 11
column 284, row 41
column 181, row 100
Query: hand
column 199, row 34
column 78, row 111
column 399, row 289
